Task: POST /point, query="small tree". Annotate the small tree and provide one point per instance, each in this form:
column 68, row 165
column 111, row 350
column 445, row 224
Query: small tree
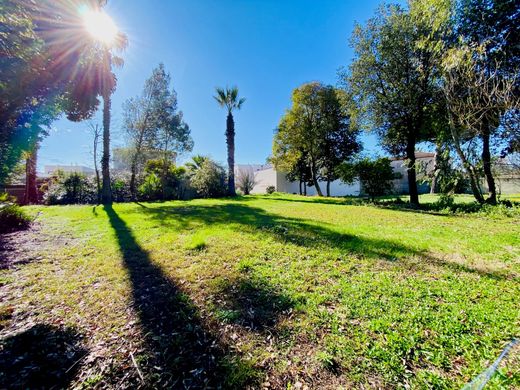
column 246, row 180
column 376, row 176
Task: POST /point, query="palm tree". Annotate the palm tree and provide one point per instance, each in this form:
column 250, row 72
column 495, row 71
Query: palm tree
column 196, row 163
column 228, row 98
column 109, row 83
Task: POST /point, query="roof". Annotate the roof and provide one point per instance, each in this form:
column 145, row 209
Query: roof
column 418, row 154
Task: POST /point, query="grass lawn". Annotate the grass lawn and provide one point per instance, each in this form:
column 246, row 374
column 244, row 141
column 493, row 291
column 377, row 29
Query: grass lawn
column 275, row 291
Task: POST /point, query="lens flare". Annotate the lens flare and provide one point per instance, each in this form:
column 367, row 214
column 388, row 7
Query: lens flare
column 100, row 26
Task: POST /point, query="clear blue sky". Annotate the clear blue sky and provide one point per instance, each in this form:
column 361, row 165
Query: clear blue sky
column 265, row 47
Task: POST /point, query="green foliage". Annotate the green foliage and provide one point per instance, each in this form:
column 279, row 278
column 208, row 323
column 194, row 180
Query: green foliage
column 394, row 82
column 228, row 98
column 270, row 190
column 48, row 66
column 195, row 163
column 375, row 176
column 12, row 216
column 209, row 180
column 151, row 188
column 69, row 189
column 315, row 135
column 162, row 181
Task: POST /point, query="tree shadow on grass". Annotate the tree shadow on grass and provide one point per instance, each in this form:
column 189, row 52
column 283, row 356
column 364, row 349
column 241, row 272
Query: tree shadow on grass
column 180, row 352
column 301, row 232
column 42, row 357
column 251, row 302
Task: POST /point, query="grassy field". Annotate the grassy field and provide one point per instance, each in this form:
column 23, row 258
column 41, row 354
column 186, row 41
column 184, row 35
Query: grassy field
column 272, row 291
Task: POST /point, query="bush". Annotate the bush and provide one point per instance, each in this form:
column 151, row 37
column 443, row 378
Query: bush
column 163, row 180
column 269, row 190
column 12, row 216
column 69, row 189
column 246, row 181
column 376, row 176
column 120, row 185
column 209, row 180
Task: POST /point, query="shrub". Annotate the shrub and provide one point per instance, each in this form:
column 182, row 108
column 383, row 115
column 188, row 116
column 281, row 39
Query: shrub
column 246, row 181
column 120, row 185
column 12, row 216
column 70, row 188
column 269, row 190
column 376, row 176
column 163, row 180
column 209, row 180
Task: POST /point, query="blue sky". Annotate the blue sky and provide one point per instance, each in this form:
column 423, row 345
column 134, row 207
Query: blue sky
column 265, row 47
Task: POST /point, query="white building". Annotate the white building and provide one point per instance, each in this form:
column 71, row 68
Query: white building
column 52, row 169
column 266, row 176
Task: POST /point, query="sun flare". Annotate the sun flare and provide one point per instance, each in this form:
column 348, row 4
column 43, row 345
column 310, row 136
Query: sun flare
column 100, row 25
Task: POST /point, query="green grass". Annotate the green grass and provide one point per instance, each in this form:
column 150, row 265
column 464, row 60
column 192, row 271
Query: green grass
column 280, row 289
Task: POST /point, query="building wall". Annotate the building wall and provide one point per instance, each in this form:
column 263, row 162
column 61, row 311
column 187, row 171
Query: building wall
column 508, row 185
column 264, row 179
column 270, row 177
column 401, row 184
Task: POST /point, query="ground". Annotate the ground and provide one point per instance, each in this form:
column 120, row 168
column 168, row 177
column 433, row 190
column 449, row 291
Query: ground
column 275, row 291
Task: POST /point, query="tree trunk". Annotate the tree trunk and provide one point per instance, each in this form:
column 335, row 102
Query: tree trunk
column 473, row 181
column 328, row 187
column 96, row 169
column 31, row 189
column 300, row 187
column 106, row 191
column 315, row 179
column 230, row 140
column 412, row 176
column 436, row 164
column 486, row 161
column 304, row 188
column 133, row 169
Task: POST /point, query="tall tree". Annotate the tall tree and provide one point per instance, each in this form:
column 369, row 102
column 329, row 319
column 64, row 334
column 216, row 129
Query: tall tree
column 482, row 72
column 392, row 80
column 144, row 116
column 96, row 134
column 340, row 135
column 109, row 60
column 316, row 131
column 228, row 98
column 46, row 69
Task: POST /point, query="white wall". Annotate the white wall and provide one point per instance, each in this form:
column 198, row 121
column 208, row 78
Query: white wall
column 269, row 177
column 337, row 188
column 264, row 179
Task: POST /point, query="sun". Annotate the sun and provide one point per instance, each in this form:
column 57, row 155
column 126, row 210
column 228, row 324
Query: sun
column 100, row 25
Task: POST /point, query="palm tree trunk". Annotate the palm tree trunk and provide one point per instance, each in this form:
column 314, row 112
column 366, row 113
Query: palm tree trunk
column 98, row 181
column 230, row 140
column 31, row 189
column 106, row 192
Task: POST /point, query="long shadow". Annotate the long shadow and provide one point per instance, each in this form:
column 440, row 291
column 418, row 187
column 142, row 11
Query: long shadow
column 42, row 357
column 180, row 352
column 250, row 301
column 301, row 232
